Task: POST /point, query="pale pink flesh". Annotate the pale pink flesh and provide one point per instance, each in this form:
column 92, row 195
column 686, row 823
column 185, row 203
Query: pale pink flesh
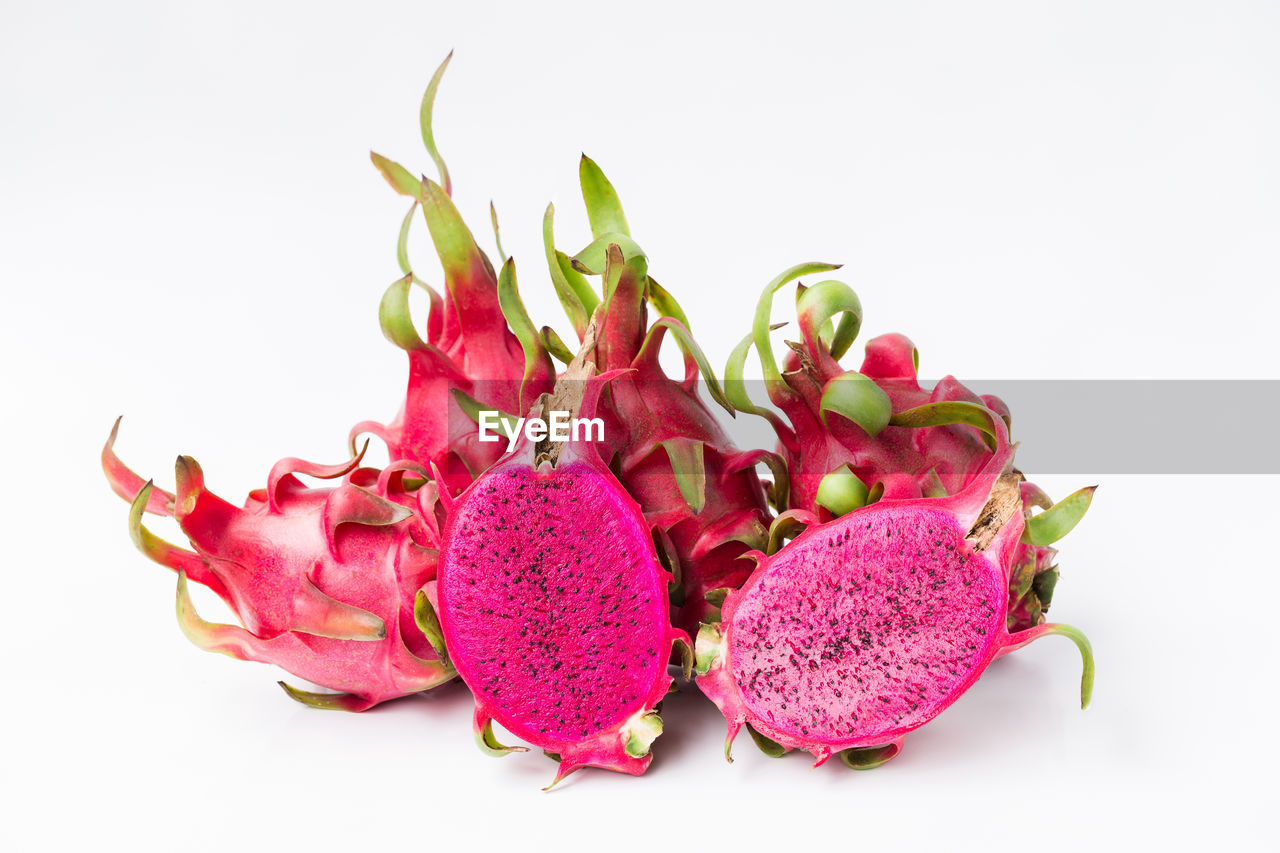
column 867, row 629
column 552, row 604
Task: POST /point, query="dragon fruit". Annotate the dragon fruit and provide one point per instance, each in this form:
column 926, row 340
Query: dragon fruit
column 323, row 580
column 868, row 626
column 853, row 437
column 551, row 601
column 470, row 359
column 702, row 495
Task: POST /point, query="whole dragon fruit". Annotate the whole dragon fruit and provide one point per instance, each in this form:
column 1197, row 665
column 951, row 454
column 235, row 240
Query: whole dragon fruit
column 853, row 437
column 701, row 494
column 469, row 359
column 323, row 580
column 867, row 626
column 552, row 603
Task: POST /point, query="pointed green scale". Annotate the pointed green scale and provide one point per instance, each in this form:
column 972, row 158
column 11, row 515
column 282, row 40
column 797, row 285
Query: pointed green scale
column 665, row 304
column 1058, row 520
column 575, row 294
column 424, row 120
column 428, row 622
column 771, row 748
column 604, row 210
column 869, row 757
column 454, row 242
column 689, row 467
column 400, row 178
column 950, row 412
column 325, row 701
column 690, row 348
column 555, row 346
column 497, row 234
column 522, row 327
column 393, row 316
column 490, row 745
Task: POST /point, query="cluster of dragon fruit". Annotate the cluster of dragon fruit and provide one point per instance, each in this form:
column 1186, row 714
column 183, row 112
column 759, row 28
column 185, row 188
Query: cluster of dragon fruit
column 830, row 594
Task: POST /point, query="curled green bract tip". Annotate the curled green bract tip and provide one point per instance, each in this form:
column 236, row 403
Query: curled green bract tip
column 394, row 318
column 823, row 301
column 859, row 399
column 575, row 294
column 760, row 327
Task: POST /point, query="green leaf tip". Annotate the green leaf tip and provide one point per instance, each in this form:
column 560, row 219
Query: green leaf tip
column 424, row 120
column 428, row 622
column 1058, row 520
column 604, row 210
column 490, row 745
column 952, row 412
column 326, row 701
column 400, row 178
column 769, row 747
column 689, row 468
column 869, row 757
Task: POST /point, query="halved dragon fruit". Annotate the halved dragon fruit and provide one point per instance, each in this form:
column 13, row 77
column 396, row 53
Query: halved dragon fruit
column 323, row 580
column 852, row 437
column 552, row 603
column 868, row 626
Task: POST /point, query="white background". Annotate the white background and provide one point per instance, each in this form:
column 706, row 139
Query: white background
column 191, row 235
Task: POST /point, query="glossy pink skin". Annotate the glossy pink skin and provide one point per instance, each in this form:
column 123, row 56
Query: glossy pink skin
column 479, row 646
column 292, row 560
column 720, row 684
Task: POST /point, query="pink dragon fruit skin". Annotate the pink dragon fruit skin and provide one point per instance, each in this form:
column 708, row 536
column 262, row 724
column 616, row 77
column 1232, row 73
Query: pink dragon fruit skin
column 866, row 627
column 853, row 436
column 468, row 350
column 701, row 494
column 323, row 580
column 553, row 606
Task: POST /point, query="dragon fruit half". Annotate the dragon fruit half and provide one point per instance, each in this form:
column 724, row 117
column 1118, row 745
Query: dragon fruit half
column 867, row 626
column 551, row 601
column 323, row 580
column 852, row 437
